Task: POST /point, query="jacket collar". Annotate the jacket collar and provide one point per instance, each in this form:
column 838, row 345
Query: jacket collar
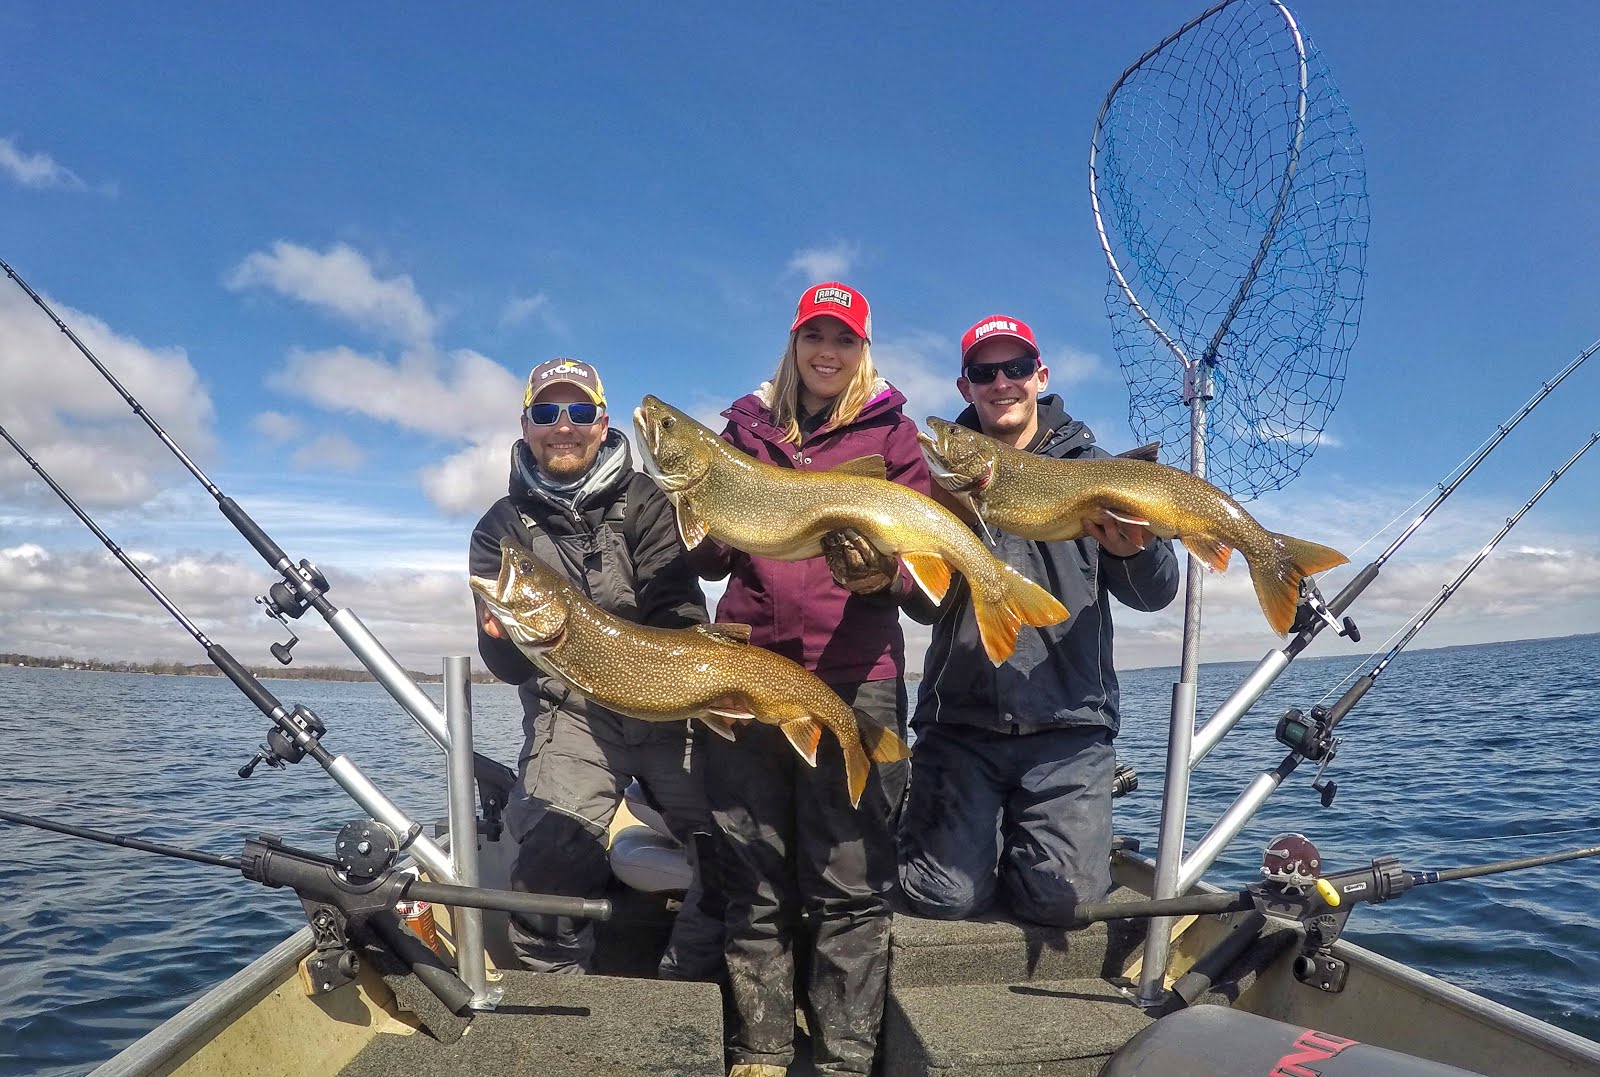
column 754, row 410
column 612, row 469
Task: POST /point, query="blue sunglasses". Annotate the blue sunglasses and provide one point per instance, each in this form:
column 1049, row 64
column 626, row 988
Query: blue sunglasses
column 579, row 413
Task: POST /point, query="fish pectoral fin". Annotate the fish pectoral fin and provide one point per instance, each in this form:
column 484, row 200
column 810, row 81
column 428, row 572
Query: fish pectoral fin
column 1213, row 552
column 805, row 734
column 690, row 525
column 732, row 705
column 725, row 633
column 721, row 723
column 867, row 467
column 1126, row 518
column 930, row 570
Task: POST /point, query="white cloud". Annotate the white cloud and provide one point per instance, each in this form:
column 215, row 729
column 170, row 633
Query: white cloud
column 470, row 480
column 330, row 451
column 276, row 426
column 824, row 263
column 519, row 310
column 342, row 282
column 1073, row 366
column 86, row 605
column 75, row 424
column 918, row 364
column 456, row 397
column 36, row 170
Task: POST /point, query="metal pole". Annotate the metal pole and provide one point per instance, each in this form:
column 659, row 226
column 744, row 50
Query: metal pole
column 1180, row 737
column 471, row 964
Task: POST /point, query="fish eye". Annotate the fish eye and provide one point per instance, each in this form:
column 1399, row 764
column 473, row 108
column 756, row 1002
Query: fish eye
column 526, row 565
column 667, row 422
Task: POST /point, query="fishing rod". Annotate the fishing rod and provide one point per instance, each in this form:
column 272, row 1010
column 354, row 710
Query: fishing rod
column 296, row 731
column 343, row 897
column 1293, row 888
column 1310, row 736
column 303, row 585
column 1315, row 614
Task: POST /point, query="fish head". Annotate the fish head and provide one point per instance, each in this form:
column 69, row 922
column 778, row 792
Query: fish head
column 528, row 598
column 677, row 450
column 963, row 461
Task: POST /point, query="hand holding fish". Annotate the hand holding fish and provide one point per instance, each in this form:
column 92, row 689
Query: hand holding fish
column 856, row 564
column 1118, row 537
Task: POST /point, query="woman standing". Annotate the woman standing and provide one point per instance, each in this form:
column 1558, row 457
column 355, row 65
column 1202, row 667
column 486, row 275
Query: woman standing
column 803, row 872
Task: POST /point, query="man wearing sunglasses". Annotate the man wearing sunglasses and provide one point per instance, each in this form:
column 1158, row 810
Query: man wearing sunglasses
column 576, row 501
column 1012, row 766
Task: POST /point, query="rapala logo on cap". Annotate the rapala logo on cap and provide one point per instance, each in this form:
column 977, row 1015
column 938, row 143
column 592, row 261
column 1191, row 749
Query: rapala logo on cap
column 997, row 325
column 832, row 295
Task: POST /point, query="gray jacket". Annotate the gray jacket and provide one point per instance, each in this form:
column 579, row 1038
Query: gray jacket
column 617, row 541
column 1061, row 675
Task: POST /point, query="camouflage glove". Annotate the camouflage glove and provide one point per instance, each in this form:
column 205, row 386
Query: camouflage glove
column 856, row 564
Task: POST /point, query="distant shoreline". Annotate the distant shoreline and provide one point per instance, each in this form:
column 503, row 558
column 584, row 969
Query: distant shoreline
column 1363, row 655
column 206, row 669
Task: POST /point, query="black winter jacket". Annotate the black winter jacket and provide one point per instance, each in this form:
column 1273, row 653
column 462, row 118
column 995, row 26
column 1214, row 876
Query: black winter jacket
column 1061, row 675
column 618, row 544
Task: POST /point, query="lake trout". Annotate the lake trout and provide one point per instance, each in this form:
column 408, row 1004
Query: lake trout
column 782, row 513
column 1047, row 500
column 709, row 672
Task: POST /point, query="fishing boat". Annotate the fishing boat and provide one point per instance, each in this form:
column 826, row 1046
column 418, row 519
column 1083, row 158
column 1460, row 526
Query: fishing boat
column 1171, row 975
column 991, row 996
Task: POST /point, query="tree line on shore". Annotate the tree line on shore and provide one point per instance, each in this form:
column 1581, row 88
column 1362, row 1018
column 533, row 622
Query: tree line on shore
column 206, row 669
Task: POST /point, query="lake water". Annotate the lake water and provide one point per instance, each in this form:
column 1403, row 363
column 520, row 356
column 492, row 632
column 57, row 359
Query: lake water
column 1458, row 756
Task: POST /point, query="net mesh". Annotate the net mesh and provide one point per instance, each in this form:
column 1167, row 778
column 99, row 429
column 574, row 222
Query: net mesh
column 1192, row 154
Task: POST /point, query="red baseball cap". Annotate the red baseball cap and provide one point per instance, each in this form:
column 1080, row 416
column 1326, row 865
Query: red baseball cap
column 837, row 301
column 997, row 325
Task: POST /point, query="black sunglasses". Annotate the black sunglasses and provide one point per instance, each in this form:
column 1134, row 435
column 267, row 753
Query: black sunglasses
column 1016, row 369
column 579, row 412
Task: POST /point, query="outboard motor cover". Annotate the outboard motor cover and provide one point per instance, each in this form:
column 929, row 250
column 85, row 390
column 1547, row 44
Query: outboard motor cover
column 1219, row 1042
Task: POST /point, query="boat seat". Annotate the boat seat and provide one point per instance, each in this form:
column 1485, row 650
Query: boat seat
column 1225, row 1042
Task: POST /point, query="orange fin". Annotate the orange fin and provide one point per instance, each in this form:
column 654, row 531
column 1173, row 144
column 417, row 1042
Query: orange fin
column 931, row 572
column 1023, row 603
column 867, row 467
column 805, row 734
column 691, row 526
column 882, row 745
column 719, row 722
column 1212, row 551
column 856, row 770
column 1278, row 582
column 725, row 633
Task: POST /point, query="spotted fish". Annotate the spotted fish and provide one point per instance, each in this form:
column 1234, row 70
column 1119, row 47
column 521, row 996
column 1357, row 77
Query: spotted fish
column 708, row 672
column 782, row 513
column 1047, row 500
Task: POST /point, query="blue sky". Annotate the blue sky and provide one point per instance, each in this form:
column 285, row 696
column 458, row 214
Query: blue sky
column 324, row 245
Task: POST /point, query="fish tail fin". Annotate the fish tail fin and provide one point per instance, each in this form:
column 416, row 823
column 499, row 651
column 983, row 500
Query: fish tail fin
column 930, row 571
column 1277, row 579
column 1214, row 552
column 883, row 745
column 805, row 734
column 1021, row 602
column 856, row 769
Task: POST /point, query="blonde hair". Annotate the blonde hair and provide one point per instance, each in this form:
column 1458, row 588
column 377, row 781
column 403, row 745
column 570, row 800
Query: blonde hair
column 844, row 408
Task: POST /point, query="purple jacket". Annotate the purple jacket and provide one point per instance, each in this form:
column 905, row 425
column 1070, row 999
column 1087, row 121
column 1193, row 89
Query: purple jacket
column 794, row 607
